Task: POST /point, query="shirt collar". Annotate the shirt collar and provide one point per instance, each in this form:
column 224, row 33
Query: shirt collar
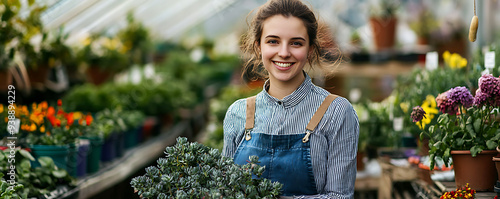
column 294, row 98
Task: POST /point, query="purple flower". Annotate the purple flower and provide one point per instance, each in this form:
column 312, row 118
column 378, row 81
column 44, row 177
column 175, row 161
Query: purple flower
column 489, row 84
column 445, row 105
column 485, row 99
column 417, row 114
column 460, row 96
column 481, row 98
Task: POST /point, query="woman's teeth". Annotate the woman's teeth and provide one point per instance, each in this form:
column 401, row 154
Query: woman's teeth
column 285, row 65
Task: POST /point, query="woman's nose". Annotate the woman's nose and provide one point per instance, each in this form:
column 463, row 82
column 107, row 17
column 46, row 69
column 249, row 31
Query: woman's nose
column 284, row 51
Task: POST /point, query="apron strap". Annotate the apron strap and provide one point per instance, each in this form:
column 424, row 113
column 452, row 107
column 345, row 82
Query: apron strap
column 250, row 113
column 250, row 120
column 318, row 115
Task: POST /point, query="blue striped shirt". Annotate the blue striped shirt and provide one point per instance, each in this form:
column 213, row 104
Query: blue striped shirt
column 333, row 143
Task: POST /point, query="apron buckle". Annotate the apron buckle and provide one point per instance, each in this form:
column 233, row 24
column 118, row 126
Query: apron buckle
column 248, row 136
column 306, row 137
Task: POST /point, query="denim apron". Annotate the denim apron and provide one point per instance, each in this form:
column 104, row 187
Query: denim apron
column 287, row 158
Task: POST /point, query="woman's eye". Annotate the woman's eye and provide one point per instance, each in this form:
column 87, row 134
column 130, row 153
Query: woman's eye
column 272, row 42
column 296, row 43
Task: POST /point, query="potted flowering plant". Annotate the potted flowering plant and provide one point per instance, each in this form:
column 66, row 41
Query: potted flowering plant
column 50, row 131
column 468, row 125
column 103, row 56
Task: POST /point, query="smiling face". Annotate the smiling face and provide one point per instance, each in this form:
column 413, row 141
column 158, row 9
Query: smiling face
column 284, row 45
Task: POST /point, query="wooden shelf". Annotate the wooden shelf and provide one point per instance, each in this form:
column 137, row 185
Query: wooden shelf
column 134, row 159
column 390, row 68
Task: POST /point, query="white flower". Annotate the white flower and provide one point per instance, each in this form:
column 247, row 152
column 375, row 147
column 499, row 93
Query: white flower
column 36, row 42
column 196, row 54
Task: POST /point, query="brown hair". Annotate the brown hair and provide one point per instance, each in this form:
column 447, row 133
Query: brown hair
column 320, row 40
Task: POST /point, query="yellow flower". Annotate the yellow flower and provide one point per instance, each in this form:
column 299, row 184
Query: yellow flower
column 42, row 129
column 446, row 57
column 32, row 127
column 86, row 41
column 1, row 108
column 463, row 63
column 429, row 106
column 77, row 115
column 454, row 60
column 404, row 106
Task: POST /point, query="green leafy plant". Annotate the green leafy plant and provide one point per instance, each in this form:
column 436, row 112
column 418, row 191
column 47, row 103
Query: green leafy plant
column 218, row 108
column 424, row 24
column 137, row 41
column 10, row 192
column 376, row 128
column 18, row 29
column 383, row 8
column 104, row 52
column 193, row 170
column 35, row 181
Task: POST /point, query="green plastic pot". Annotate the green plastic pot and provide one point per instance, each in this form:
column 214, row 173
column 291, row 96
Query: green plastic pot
column 94, row 154
column 58, row 153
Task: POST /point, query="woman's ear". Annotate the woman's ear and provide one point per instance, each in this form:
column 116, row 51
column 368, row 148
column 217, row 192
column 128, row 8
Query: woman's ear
column 257, row 47
column 311, row 51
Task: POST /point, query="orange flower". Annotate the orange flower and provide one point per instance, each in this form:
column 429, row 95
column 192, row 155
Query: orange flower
column 89, row 119
column 59, row 102
column 42, row 129
column 1, row 108
column 69, row 118
column 44, row 105
column 33, row 127
column 54, row 121
column 61, row 112
column 51, row 111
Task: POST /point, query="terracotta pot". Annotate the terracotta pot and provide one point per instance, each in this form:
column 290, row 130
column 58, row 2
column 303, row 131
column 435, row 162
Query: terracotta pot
column 422, row 40
column 497, row 165
column 97, row 76
column 384, row 32
column 360, row 165
column 479, row 171
column 38, row 75
column 5, row 80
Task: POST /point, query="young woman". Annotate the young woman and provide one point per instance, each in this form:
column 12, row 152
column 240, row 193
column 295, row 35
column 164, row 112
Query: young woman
column 304, row 136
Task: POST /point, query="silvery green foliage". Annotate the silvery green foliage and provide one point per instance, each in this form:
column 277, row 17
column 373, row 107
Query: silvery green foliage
column 193, row 170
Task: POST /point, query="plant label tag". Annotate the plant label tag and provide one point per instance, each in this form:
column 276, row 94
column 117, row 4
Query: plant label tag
column 398, row 124
column 135, row 75
column 431, row 60
column 13, row 128
column 489, row 60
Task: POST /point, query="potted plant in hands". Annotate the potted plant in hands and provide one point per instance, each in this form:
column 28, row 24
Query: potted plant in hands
column 193, row 170
column 467, row 126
